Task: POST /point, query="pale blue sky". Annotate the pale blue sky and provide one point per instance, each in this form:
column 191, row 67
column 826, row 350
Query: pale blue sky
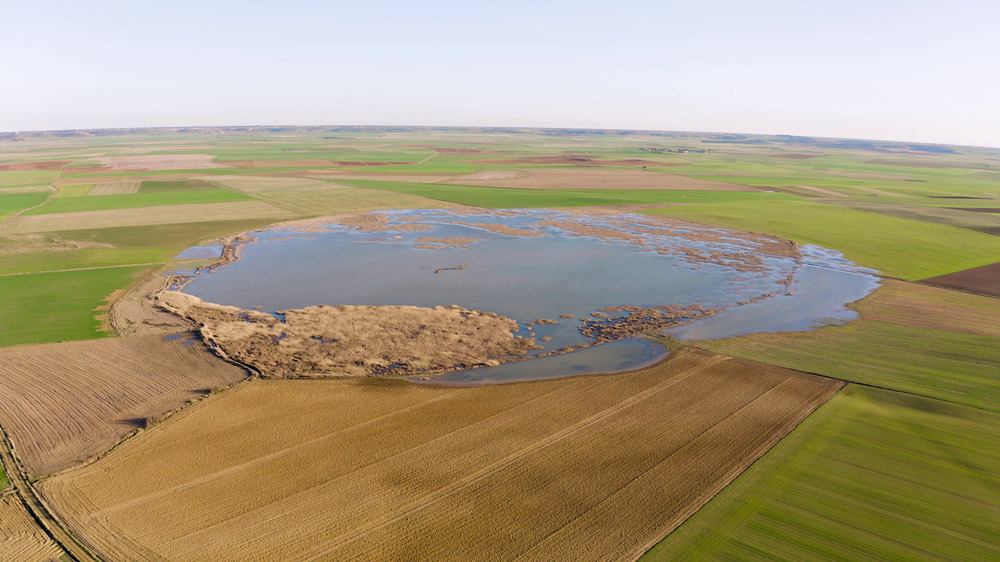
column 883, row 69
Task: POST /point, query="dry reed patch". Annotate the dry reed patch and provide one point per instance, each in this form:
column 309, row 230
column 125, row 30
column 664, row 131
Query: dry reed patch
column 66, row 402
column 20, row 536
column 586, row 178
column 585, row 468
column 165, row 214
column 116, row 188
column 162, row 162
column 352, row 341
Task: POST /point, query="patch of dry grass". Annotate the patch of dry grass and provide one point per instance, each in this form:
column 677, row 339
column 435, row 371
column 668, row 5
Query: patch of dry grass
column 20, row 536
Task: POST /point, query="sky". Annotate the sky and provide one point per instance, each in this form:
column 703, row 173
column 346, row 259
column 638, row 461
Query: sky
column 923, row 71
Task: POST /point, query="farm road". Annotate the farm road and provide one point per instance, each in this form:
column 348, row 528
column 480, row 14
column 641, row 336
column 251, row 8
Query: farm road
column 36, row 507
column 11, row 218
column 87, row 268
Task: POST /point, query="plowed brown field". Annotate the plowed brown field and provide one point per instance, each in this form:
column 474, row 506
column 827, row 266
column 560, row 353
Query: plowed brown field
column 20, row 537
column 586, row 468
column 984, row 280
column 66, row 402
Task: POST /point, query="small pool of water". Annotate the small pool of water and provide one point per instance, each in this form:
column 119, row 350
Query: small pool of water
column 613, row 357
column 553, row 266
column 200, row 252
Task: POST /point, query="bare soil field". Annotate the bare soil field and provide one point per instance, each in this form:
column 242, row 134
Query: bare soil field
column 165, row 214
column 162, row 162
column 63, row 403
column 984, row 280
column 585, row 468
column 123, row 187
column 20, row 537
column 42, row 165
column 563, row 178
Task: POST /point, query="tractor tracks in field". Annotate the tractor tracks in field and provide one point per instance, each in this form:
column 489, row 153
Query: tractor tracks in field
column 36, row 506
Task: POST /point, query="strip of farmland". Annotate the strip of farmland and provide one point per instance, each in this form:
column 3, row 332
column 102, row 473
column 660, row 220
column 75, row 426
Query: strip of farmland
column 166, row 214
column 366, row 469
column 64, row 403
column 123, row 187
column 20, row 537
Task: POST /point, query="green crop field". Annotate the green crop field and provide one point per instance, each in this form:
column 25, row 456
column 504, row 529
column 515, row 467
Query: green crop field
column 137, row 200
column 46, row 307
column 14, row 202
column 4, row 482
column 95, row 257
column 903, row 248
column 155, row 186
column 934, row 342
column 872, row 475
column 174, row 236
column 500, row 198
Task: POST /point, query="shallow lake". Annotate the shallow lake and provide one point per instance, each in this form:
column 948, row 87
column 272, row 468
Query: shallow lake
column 547, row 265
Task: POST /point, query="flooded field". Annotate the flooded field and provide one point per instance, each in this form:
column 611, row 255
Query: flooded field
column 569, row 280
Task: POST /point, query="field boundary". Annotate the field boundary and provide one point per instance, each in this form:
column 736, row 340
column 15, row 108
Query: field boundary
column 6, row 222
column 45, row 517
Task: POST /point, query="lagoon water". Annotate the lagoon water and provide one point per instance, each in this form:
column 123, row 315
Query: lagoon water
column 528, row 278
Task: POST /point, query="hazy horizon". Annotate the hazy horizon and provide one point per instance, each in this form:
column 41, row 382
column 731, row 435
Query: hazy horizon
column 888, row 70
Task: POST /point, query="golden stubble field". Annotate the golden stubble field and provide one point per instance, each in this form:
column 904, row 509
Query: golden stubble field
column 585, row 468
column 20, row 537
column 63, row 403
